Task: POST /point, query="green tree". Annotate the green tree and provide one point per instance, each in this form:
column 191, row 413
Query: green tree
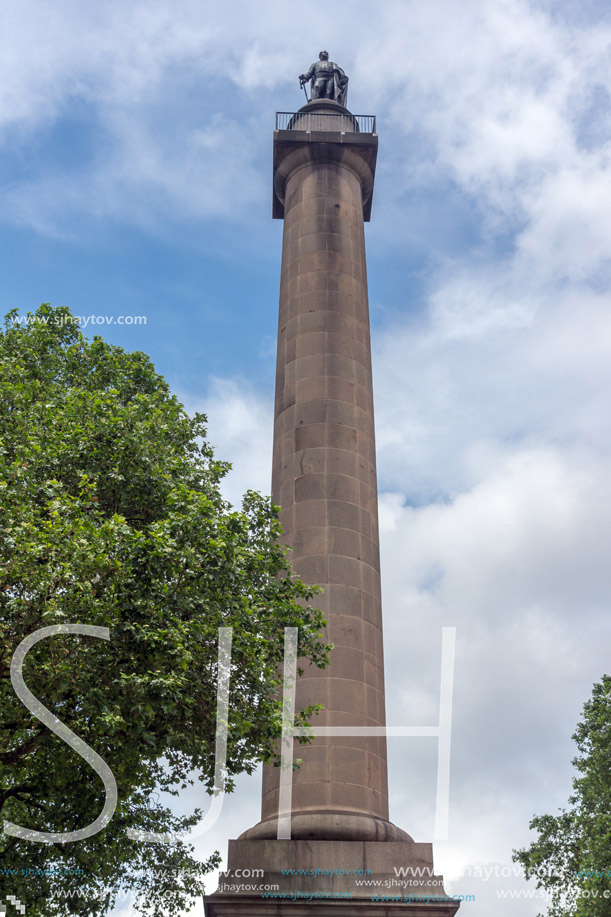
column 571, row 858
column 111, row 515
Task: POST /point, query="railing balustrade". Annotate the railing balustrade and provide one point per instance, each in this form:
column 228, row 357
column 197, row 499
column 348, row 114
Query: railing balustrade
column 325, row 121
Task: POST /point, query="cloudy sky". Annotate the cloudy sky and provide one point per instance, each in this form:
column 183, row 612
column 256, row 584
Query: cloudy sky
column 135, row 174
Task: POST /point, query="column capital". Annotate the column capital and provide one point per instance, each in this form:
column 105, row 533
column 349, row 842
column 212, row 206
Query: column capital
column 324, row 132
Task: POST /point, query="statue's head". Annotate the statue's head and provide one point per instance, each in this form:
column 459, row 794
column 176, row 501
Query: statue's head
column 324, row 55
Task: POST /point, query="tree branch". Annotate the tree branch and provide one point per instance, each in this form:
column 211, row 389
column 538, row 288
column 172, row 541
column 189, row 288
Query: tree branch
column 14, row 756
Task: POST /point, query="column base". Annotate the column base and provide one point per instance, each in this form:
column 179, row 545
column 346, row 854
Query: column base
column 323, row 879
column 330, row 826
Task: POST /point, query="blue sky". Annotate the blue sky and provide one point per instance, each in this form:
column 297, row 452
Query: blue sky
column 135, row 173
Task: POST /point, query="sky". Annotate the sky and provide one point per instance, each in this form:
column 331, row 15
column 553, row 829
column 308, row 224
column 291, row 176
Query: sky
column 135, row 175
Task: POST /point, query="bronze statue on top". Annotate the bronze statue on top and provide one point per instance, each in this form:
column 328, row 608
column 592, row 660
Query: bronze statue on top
column 328, row 81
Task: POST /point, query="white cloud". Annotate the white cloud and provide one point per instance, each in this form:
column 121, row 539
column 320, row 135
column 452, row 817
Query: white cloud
column 568, row 236
column 518, row 564
column 493, row 91
column 492, row 367
column 240, row 429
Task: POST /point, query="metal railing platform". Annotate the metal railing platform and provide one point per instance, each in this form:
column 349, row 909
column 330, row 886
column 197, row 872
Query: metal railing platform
column 325, row 121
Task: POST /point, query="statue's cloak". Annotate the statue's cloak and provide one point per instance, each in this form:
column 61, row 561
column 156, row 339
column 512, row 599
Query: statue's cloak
column 341, row 85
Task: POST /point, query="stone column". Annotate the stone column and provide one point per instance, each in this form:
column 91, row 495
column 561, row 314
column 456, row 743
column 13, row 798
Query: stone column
column 324, row 472
column 324, row 479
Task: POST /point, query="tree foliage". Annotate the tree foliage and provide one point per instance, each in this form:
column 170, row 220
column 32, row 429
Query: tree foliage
column 111, row 515
column 571, row 858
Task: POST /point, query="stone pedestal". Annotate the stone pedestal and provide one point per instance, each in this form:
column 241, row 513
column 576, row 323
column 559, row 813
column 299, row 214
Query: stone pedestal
column 330, row 879
column 324, row 479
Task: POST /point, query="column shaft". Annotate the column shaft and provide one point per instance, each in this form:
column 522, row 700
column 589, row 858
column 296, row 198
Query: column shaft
column 324, row 479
